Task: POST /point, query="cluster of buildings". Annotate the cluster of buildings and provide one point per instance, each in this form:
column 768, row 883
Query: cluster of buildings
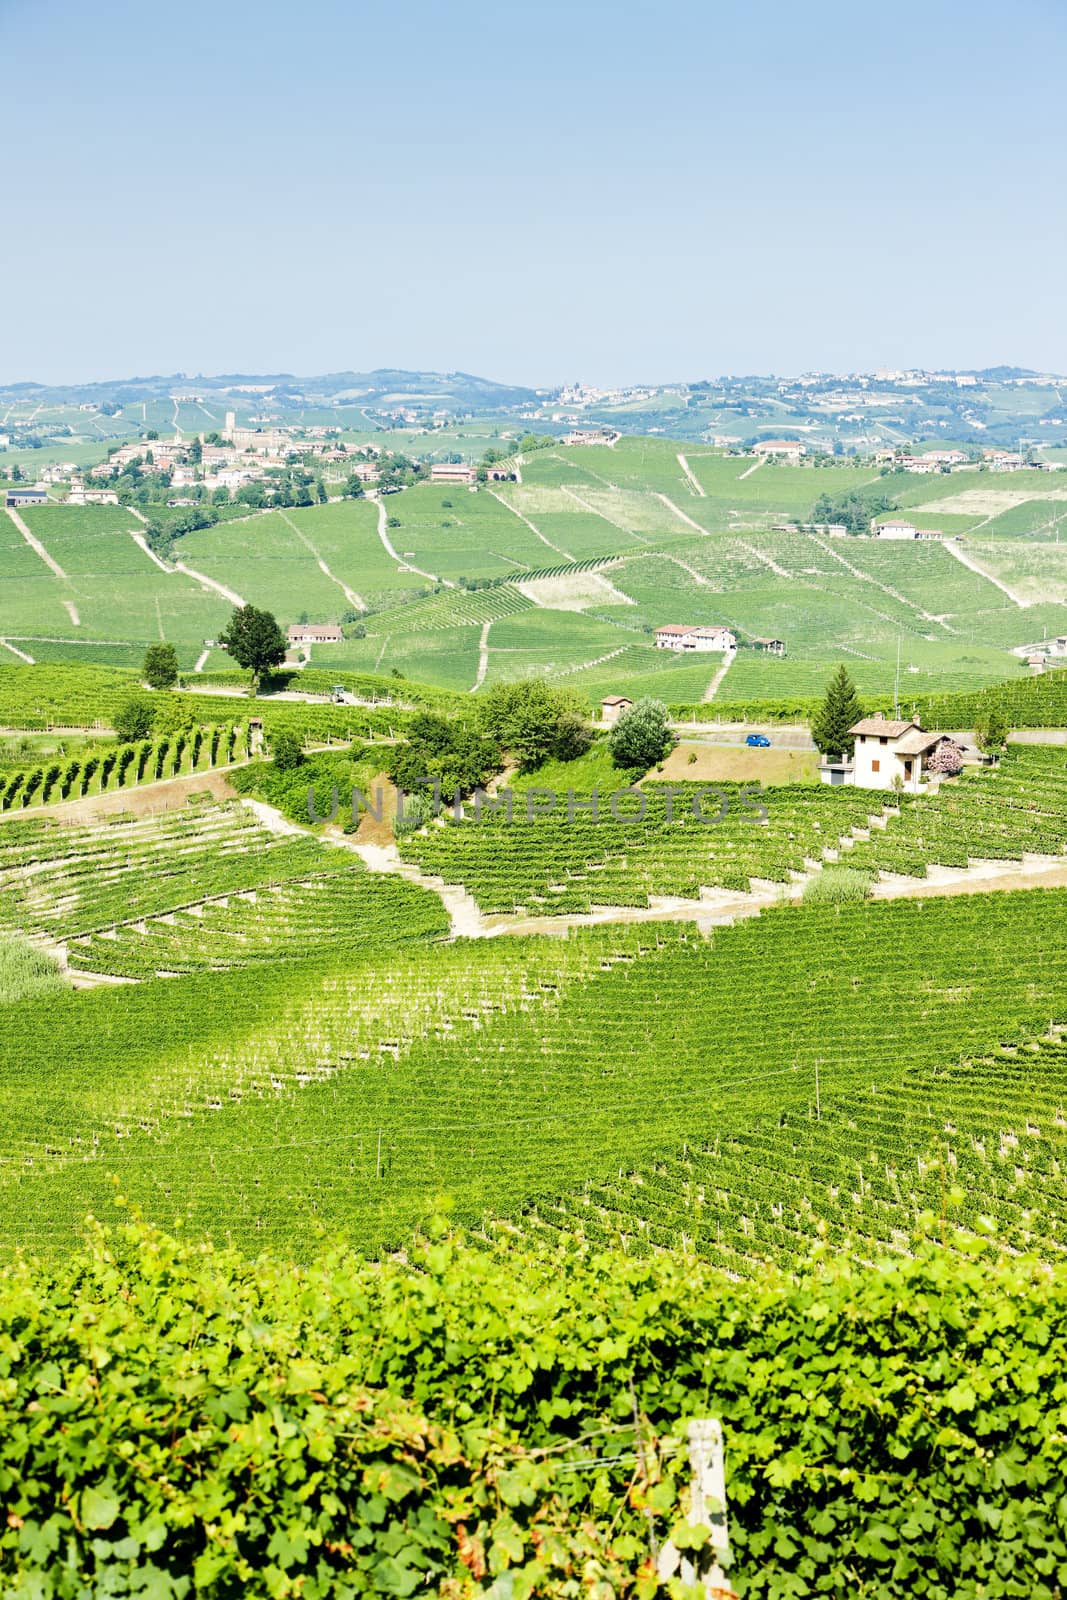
column 608, row 436
column 246, row 455
column 993, row 460
column 1038, row 656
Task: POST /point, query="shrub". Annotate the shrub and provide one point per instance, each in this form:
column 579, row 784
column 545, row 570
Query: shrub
column 287, row 750
column 838, row 886
column 642, row 735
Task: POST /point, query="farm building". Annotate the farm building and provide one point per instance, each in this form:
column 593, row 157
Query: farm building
column 675, row 636
column 500, row 472
column 315, row 633
column 453, row 472
column 891, row 754
column 771, row 647
column 25, row 496
column 592, row 436
column 779, row 449
column 895, row 529
column 612, row 708
column 80, row 496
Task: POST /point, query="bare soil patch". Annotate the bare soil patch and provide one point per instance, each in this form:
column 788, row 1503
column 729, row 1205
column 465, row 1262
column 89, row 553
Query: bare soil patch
column 734, row 765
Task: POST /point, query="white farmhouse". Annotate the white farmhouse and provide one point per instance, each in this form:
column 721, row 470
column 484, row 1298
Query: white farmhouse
column 889, row 755
column 895, row 529
column 675, row 636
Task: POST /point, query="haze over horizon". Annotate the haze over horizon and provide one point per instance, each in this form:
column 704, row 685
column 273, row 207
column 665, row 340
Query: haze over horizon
column 698, row 192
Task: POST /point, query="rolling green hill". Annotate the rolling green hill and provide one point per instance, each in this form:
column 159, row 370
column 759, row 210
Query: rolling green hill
column 587, row 553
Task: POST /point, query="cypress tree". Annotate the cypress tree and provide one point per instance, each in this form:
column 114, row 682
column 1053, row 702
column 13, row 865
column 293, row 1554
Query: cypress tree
column 839, row 711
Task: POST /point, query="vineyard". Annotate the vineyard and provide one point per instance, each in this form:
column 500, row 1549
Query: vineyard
column 458, row 1424
column 207, row 887
column 347, row 1093
column 860, row 1174
column 570, row 861
column 107, row 768
column 1030, row 702
column 88, row 697
column 653, row 845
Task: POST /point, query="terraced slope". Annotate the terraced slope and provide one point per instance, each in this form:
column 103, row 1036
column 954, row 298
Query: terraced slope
column 206, row 887
column 653, row 845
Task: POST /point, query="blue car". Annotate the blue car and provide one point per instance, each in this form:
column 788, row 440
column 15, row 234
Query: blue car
column 758, row 741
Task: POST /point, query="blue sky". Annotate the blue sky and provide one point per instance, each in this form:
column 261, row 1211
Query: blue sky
column 632, row 191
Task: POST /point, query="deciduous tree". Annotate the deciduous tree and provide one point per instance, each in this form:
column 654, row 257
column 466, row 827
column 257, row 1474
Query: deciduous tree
column 255, row 641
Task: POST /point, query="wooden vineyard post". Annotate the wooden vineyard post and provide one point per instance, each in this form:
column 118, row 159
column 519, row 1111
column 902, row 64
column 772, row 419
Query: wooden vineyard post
column 707, row 1508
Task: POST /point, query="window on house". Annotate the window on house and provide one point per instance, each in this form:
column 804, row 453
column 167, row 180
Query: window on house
column 876, row 766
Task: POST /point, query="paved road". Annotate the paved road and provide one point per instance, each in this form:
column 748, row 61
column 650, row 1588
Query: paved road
column 782, row 737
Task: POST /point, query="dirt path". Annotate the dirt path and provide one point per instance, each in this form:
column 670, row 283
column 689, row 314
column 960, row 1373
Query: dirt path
column 201, row 660
column 969, row 561
column 558, row 548
column 768, row 561
column 698, row 488
column 72, row 613
column 465, row 918
column 406, row 566
column 141, row 800
column 698, row 577
column 209, row 583
column 143, row 544
column 741, row 476
column 36, row 546
column 1033, row 872
column 713, row 687
column 350, row 594
column 584, row 666
column 483, row 657
column 15, row 651
column 669, row 503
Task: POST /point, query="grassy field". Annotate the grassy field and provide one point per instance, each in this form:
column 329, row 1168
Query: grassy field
column 116, row 593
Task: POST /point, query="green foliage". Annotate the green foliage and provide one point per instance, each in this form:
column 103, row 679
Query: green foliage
column 417, row 812
column 853, row 509
column 286, row 750
column 838, row 886
column 533, row 721
column 458, row 755
column 428, row 1428
column 26, row 972
column 840, row 710
column 135, row 719
column 642, row 735
column 991, row 730
column 160, row 669
column 254, row 640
